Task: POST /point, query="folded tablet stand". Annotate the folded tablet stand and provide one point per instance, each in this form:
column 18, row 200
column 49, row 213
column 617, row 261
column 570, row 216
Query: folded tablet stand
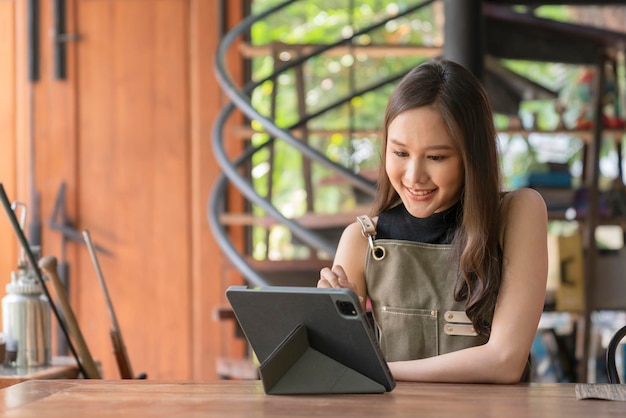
column 296, row 368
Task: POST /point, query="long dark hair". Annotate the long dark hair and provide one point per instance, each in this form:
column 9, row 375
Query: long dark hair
column 463, row 104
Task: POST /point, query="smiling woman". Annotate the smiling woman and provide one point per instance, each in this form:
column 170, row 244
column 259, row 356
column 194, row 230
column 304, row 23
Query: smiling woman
column 453, row 295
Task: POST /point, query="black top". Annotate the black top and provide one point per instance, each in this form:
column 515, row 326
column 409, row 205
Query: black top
column 398, row 223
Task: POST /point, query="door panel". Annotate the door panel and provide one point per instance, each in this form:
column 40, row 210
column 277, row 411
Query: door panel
column 134, row 196
column 8, row 255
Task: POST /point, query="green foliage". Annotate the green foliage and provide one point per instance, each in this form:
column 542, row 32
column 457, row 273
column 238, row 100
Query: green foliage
column 559, row 13
column 333, row 76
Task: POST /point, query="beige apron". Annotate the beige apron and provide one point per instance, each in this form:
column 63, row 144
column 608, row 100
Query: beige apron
column 412, row 293
column 411, row 288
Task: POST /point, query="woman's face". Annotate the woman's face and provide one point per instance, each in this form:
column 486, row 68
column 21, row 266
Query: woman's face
column 422, row 163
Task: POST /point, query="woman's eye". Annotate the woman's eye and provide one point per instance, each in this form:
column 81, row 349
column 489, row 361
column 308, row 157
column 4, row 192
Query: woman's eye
column 400, row 153
column 436, row 157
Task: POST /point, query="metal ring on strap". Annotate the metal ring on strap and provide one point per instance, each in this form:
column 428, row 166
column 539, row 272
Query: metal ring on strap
column 368, row 230
column 378, row 252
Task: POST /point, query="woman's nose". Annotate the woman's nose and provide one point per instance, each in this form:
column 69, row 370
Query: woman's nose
column 415, row 172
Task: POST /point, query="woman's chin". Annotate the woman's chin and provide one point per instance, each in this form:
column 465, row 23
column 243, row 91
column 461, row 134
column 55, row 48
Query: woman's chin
column 418, row 210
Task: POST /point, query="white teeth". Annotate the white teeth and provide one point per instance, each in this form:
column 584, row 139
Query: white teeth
column 420, row 193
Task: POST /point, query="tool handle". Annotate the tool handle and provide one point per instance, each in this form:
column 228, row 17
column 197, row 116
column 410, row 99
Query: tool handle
column 49, row 265
column 96, row 264
column 121, row 355
column 119, row 349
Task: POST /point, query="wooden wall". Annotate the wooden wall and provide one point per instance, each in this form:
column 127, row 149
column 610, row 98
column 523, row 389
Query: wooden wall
column 128, row 132
column 8, row 126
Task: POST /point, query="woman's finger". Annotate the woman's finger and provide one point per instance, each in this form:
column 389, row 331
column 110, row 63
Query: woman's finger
column 339, row 272
column 323, row 283
column 327, row 278
column 342, row 278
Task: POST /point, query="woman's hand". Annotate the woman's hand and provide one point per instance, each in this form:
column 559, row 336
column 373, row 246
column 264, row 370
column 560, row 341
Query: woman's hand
column 348, row 266
column 335, row 277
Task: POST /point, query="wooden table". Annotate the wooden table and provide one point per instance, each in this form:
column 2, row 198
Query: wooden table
column 226, row 399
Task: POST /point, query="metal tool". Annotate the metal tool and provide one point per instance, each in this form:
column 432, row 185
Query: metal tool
column 49, row 265
column 4, row 199
column 119, row 349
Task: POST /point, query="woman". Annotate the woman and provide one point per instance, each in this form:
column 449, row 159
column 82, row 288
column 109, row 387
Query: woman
column 455, row 270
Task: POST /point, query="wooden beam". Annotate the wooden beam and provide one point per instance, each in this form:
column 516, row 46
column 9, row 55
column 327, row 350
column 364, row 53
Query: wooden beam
column 372, row 51
column 308, row 220
column 527, row 37
column 558, row 2
column 508, row 40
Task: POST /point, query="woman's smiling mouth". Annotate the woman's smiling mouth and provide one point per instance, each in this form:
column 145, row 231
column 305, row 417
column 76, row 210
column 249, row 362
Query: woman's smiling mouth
column 419, row 193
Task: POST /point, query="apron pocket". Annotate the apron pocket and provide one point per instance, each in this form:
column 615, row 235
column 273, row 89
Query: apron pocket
column 408, row 334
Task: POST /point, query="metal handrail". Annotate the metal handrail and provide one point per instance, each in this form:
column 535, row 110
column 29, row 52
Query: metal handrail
column 240, row 100
column 611, row 368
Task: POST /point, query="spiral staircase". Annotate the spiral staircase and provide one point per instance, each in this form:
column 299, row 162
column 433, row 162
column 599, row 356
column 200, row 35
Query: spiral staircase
column 318, row 231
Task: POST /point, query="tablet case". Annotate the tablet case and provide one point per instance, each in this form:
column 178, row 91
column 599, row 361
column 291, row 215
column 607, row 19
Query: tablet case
column 310, row 341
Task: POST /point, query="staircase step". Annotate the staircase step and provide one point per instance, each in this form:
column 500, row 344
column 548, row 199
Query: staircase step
column 308, row 220
column 223, row 313
column 231, row 368
column 280, row 273
column 246, row 131
column 303, row 265
column 291, row 272
column 248, row 50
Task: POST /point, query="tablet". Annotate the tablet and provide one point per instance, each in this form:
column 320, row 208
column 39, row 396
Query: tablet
column 309, row 340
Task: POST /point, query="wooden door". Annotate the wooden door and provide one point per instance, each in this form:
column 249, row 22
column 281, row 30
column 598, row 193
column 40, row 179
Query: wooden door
column 127, row 131
column 133, row 194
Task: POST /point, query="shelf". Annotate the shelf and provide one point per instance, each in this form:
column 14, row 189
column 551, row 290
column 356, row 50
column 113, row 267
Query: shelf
column 584, row 134
column 373, row 51
column 308, row 220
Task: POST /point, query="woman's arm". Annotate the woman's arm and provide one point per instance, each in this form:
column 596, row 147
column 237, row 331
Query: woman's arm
column 518, row 310
column 349, row 265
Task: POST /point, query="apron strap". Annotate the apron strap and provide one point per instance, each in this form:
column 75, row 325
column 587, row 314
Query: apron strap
column 369, row 231
column 367, row 226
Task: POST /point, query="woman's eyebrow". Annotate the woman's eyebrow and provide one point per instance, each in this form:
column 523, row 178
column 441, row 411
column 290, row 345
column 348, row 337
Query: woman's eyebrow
column 430, row 147
column 440, row 147
column 396, row 141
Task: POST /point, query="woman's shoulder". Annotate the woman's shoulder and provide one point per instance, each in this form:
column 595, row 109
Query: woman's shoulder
column 523, row 199
column 357, row 227
column 524, row 236
column 523, row 208
column 352, row 244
